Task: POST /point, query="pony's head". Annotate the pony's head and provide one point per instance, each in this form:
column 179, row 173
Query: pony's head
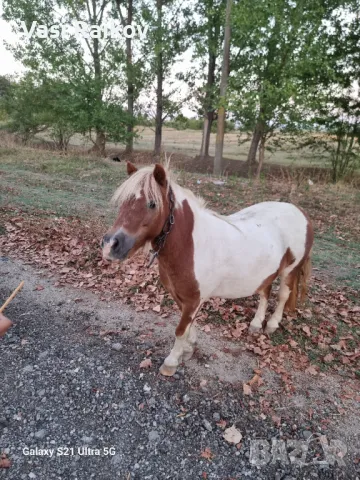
column 143, row 209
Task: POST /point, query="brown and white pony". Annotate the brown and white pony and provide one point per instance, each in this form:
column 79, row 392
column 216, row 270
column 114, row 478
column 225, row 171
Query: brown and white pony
column 202, row 254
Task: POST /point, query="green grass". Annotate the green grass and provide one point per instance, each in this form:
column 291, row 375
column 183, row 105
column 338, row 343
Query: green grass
column 64, row 185
column 338, row 258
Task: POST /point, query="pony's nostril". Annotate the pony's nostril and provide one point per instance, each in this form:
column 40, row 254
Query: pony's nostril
column 115, row 243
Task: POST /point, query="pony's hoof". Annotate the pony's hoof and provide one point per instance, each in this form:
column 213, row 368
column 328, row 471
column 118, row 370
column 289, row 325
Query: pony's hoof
column 187, row 355
column 253, row 329
column 167, row 371
column 269, row 329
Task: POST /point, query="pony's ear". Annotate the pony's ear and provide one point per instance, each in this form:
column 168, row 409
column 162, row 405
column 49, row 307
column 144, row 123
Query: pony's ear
column 160, row 174
column 130, row 168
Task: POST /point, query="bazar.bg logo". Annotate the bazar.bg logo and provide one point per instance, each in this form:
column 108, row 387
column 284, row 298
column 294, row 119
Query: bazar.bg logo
column 295, row 452
column 82, row 30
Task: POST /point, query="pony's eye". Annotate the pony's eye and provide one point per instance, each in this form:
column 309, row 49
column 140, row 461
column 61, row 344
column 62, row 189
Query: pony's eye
column 151, row 204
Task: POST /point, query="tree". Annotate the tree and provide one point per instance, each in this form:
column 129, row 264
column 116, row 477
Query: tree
column 208, row 39
column 136, row 71
column 334, row 135
column 168, row 37
column 223, row 86
column 90, row 64
column 275, row 44
column 25, row 105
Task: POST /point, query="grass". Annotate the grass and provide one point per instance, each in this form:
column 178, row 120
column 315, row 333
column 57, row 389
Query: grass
column 338, row 258
column 188, row 142
column 65, row 185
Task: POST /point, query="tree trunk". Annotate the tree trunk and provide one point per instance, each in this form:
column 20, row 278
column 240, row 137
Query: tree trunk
column 219, row 146
column 257, row 134
column 209, row 109
column 100, row 141
column 130, row 84
column 261, row 156
column 159, row 89
column 205, row 142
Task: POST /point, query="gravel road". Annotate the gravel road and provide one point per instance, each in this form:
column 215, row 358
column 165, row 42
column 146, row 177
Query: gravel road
column 81, row 399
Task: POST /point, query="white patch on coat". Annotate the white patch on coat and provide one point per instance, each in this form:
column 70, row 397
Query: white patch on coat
column 235, row 254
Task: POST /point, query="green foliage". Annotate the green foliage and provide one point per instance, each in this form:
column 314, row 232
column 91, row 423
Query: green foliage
column 281, row 53
column 85, row 76
column 180, row 122
column 336, row 136
column 25, row 103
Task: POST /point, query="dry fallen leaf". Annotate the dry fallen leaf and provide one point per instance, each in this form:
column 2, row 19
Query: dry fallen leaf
column 146, row 363
column 4, row 462
column 312, row 370
column 232, row 435
column 207, row 453
column 329, row 357
column 256, row 379
column 246, row 389
column 221, row 423
column 277, row 420
column 157, row 309
column 306, row 329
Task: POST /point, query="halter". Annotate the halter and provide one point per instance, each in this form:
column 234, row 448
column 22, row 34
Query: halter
column 161, row 238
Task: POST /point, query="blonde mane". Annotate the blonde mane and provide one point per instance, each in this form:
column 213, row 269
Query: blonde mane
column 143, row 182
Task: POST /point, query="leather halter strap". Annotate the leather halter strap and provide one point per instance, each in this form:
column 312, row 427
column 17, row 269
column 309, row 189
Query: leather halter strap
column 161, row 238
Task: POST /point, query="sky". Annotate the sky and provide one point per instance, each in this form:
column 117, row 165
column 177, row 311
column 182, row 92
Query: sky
column 8, row 65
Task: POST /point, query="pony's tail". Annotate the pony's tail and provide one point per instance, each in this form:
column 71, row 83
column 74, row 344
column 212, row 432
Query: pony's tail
column 299, row 280
column 305, row 274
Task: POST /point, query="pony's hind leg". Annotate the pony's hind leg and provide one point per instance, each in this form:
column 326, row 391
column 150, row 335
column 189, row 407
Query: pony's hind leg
column 257, row 322
column 284, row 292
column 185, row 341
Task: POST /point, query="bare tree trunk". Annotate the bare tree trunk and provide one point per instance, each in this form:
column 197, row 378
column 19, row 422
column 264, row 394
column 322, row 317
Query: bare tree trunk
column 219, row 146
column 159, row 89
column 257, row 134
column 209, row 110
column 261, row 156
column 130, row 83
column 100, row 141
column 205, row 142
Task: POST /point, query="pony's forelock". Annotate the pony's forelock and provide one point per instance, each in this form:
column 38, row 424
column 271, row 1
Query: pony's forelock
column 141, row 182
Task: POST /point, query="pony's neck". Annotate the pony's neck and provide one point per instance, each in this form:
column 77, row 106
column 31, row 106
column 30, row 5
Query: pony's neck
column 179, row 242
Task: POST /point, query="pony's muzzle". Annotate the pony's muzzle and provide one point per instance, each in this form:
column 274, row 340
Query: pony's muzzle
column 117, row 246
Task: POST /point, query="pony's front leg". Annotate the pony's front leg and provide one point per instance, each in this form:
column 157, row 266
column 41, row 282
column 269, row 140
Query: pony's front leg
column 184, row 345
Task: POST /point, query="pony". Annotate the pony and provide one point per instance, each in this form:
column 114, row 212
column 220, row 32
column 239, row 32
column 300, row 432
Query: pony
column 202, row 254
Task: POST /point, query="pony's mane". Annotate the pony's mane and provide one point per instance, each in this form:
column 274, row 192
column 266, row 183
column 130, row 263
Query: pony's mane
column 143, row 182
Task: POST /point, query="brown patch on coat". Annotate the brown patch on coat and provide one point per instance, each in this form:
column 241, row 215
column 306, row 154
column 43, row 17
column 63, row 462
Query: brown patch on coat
column 298, row 279
column 176, row 266
column 265, row 287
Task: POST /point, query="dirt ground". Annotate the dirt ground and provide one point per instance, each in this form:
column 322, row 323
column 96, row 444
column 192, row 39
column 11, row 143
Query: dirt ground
column 71, row 377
